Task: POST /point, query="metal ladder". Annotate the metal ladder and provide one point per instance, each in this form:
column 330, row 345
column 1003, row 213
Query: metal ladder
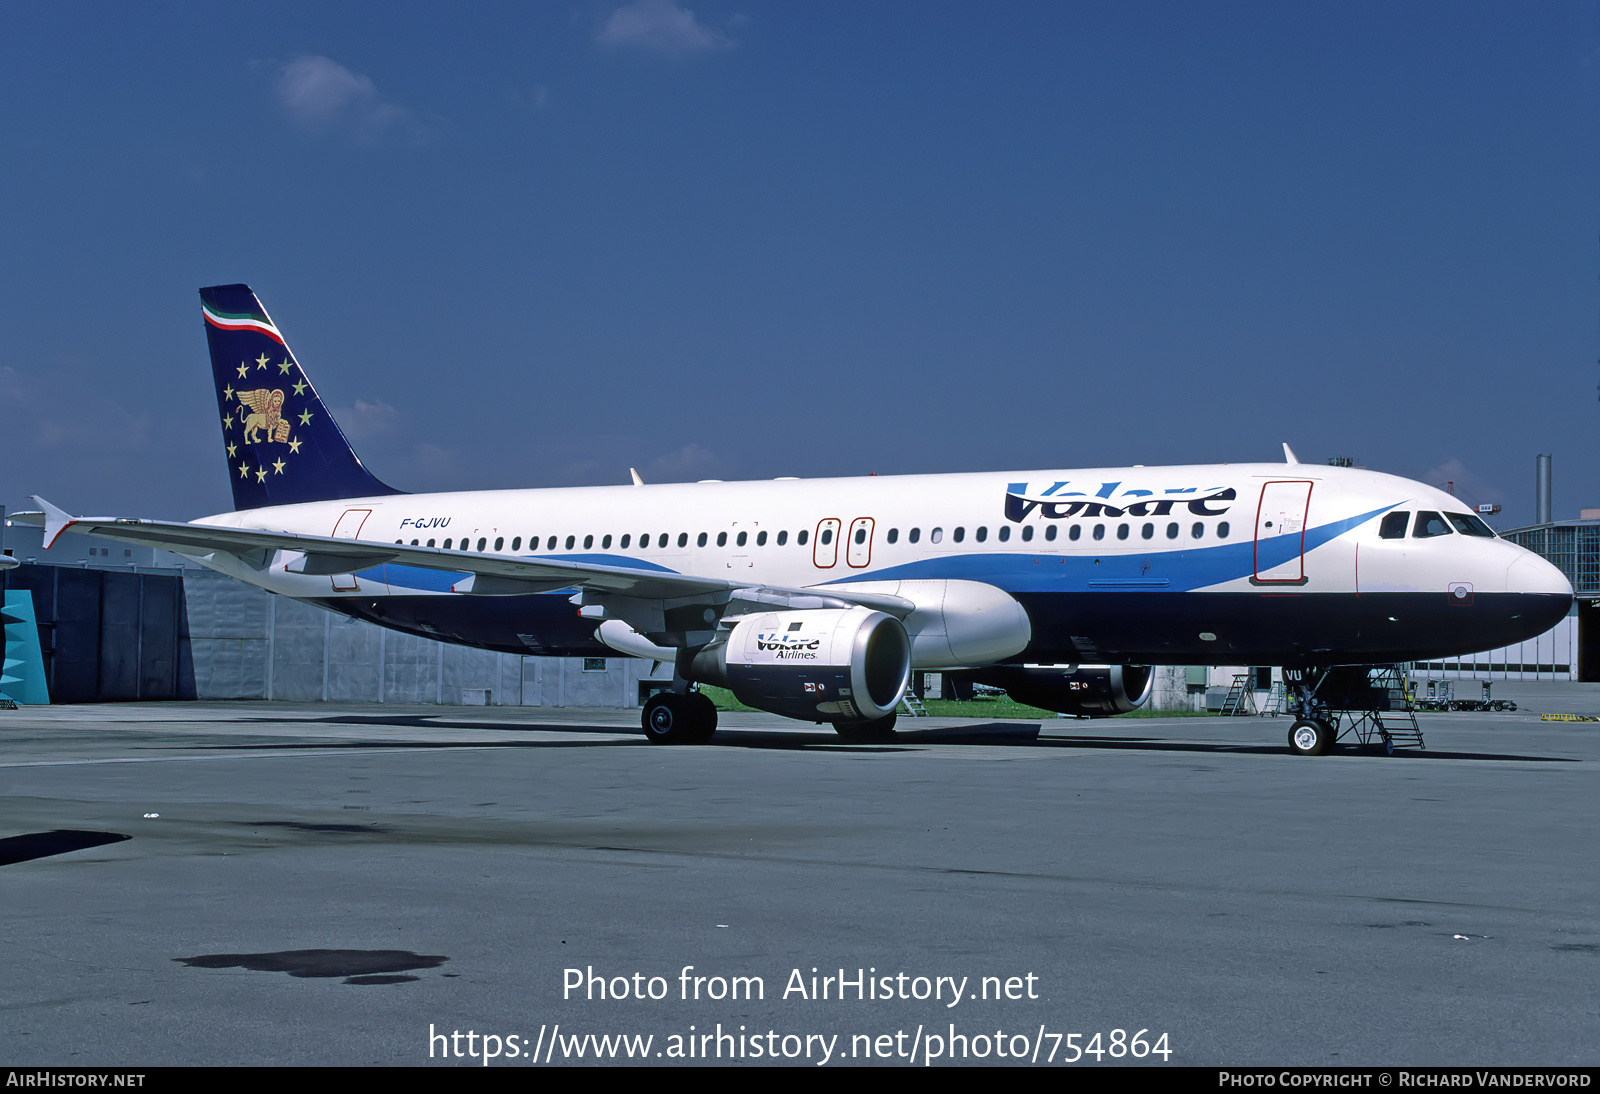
column 1241, row 698
column 913, row 705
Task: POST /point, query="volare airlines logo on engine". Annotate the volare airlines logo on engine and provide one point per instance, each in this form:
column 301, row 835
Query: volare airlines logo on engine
column 788, row 648
column 1055, row 501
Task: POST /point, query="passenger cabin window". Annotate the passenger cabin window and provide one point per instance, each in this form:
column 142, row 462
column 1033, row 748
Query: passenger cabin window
column 1222, row 530
column 1469, row 525
column 740, row 540
column 1005, row 533
column 1172, row 530
column 960, row 534
column 662, row 540
column 627, row 539
column 683, row 539
column 551, row 544
column 827, row 536
column 1429, row 525
column 499, row 542
column 516, row 544
column 936, row 535
column 1394, row 526
column 700, row 540
column 588, row 543
column 605, row 544
column 761, row 539
column 801, row 536
column 1099, row 531
column 1122, row 531
column 783, row 538
column 894, row 535
column 916, row 534
column 572, row 541
column 981, row 534
column 1027, row 533
column 722, row 539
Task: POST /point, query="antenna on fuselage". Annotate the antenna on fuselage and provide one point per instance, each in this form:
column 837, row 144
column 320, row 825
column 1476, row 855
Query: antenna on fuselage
column 1288, row 454
column 637, row 481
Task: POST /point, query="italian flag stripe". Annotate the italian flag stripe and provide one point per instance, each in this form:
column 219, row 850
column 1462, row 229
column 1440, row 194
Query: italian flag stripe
column 242, row 322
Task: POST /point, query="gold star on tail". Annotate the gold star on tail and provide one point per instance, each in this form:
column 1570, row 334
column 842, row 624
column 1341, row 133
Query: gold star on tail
column 261, row 362
column 277, row 466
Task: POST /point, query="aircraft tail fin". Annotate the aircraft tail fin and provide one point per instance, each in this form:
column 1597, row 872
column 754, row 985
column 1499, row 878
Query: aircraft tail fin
column 282, row 444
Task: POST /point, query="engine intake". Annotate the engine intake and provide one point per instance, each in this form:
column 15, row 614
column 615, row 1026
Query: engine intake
column 821, row 664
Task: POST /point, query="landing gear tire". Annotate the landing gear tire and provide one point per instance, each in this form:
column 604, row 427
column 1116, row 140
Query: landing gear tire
column 880, row 729
column 704, row 713
column 673, row 719
column 1310, row 738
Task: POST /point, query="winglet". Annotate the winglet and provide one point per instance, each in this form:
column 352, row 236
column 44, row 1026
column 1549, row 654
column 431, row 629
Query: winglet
column 1288, row 454
column 56, row 521
column 637, row 481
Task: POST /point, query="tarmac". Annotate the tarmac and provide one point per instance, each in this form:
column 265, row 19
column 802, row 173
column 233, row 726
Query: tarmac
column 340, row 884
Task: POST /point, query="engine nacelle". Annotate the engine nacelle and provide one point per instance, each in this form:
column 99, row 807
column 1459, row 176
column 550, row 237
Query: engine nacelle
column 1098, row 691
column 820, row 664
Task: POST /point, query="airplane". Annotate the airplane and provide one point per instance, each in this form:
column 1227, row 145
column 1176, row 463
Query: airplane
column 817, row 599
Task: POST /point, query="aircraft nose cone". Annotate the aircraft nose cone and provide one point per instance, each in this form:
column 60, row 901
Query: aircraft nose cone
column 1529, row 573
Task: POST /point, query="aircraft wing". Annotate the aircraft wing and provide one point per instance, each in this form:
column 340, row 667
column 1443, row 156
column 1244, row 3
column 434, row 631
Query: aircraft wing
column 486, row 574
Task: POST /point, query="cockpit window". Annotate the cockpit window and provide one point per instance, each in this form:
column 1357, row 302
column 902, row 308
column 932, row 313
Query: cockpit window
column 1394, row 526
column 1469, row 525
column 1429, row 525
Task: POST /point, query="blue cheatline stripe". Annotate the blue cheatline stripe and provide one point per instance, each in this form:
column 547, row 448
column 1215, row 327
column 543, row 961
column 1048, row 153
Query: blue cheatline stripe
column 1182, row 570
column 1178, row 570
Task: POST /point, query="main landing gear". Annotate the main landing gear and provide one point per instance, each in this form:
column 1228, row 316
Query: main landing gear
column 679, row 718
column 879, row 729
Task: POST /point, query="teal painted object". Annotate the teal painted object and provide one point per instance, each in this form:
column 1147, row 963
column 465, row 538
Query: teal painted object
column 22, row 678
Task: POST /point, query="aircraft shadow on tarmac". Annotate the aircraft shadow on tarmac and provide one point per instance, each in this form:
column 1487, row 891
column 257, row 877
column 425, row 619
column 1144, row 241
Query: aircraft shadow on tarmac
column 356, row 966
column 990, row 734
column 33, row 845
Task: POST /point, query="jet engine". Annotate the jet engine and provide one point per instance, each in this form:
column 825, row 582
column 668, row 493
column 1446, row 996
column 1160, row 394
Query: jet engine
column 1098, row 691
column 820, row 664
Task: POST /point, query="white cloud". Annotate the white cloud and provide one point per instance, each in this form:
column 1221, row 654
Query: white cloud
column 1467, row 484
column 687, row 462
column 660, row 27
column 366, row 419
column 322, row 95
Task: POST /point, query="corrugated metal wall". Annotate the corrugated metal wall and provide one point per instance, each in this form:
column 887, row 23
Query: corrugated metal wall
column 249, row 644
column 107, row 635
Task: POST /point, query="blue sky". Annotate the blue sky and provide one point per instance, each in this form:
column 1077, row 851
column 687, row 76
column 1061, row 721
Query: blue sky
column 536, row 244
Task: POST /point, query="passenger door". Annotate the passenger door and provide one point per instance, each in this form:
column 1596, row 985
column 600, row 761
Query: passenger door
column 825, row 547
column 1281, row 533
column 858, row 547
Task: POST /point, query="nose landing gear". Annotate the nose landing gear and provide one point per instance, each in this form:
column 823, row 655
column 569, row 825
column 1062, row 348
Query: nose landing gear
column 1311, row 737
